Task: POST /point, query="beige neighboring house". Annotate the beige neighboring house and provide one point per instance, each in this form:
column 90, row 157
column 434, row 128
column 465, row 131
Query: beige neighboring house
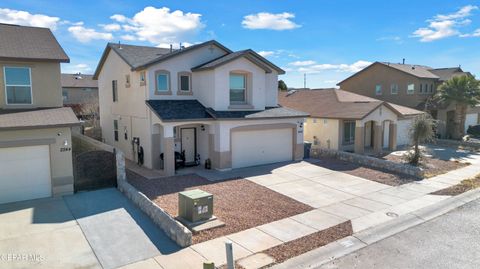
column 204, row 102
column 35, row 128
column 79, row 90
column 347, row 121
column 412, row 86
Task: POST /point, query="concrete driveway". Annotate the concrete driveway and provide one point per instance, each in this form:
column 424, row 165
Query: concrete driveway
column 98, row 229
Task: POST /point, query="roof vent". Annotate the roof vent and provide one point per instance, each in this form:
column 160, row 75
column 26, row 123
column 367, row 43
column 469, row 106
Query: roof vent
column 119, row 45
column 413, row 67
column 171, row 47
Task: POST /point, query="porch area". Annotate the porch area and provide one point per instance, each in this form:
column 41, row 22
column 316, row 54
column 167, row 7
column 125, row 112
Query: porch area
column 372, row 136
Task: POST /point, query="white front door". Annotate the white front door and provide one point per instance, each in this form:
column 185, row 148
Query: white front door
column 189, row 144
column 251, row 148
column 24, row 173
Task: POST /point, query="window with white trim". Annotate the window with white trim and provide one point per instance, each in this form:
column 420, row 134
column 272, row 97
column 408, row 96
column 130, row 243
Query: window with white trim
column 162, row 80
column 410, row 88
column 378, row 89
column 394, row 88
column 238, row 88
column 18, row 85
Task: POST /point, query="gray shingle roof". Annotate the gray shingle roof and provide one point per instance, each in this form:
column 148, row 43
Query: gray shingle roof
column 42, row 118
column 29, row 43
column 78, row 81
column 269, row 112
column 136, row 56
column 447, row 73
column 415, row 70
column 173, row 110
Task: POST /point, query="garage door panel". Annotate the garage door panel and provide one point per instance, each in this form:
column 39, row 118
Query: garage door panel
column 24, row 173
column 251, row 148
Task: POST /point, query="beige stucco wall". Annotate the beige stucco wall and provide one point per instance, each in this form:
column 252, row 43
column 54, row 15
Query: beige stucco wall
column 364, row 83
column 46, row 85
column 60, row 162
column 327, row 132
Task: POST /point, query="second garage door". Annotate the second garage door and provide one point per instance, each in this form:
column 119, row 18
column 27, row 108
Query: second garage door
column 251, row 148
column 24, row 173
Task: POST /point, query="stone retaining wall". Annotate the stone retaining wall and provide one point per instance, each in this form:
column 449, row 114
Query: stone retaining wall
column 174, row 229
column 368, row 161
column 456, row 143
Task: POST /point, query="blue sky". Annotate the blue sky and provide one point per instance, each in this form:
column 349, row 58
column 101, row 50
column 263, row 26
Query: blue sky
column 327, row 40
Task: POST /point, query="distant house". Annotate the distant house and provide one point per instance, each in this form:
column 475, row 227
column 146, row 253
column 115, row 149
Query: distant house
column 409, row 85
column 166, row 108
column 347, row 121
column 35, row 128
column 77, row 90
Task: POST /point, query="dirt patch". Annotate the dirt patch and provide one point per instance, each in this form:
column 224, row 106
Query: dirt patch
column 304, row 244
column 374, row 174
column 464, row 186
column 432, row 166
column 240, row 203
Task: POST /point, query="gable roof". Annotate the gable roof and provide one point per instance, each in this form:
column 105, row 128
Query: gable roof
column 248, row 54
column 139, row 57
column 445, row 74
column 337, row 104
column 37, row 118
column 78, row 81
column 30, row 43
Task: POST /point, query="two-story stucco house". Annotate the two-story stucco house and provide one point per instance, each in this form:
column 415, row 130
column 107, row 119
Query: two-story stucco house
column 80, row 90
column 35, row 130
column 204, row 102
column 412, row 86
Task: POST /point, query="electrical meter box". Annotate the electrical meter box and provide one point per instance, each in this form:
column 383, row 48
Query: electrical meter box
column 195, row 205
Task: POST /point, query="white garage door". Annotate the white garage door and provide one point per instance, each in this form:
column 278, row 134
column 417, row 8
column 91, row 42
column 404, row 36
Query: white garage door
column 471, row 119
column 251, row 148
column 403, row 127
column 24, row 173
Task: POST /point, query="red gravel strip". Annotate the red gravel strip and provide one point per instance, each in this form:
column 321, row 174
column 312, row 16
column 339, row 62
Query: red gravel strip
column 240, row 203
column 374, row 174
column 464, row 186
column 304, row 244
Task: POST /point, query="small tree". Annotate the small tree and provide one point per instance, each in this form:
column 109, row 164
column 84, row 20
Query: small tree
column 463, row 91
column 282, row 86
column 422, row 130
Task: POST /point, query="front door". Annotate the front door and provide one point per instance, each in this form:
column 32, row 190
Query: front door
column 189, row 144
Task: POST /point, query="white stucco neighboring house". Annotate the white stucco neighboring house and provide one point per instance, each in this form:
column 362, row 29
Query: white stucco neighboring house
column 194, row 104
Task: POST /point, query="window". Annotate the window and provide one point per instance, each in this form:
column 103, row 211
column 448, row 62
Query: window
column 348, row 132
column 184, row 83
column 127, row 81
column 162, row 80
column 114, row 91
column 394, row 88
column 410, row 88
column 238, row 88
column 18, row 85
column 142, row 78
column 115, row 130
column 421, row 87
column 431, row 87
column 378, row 89
column 65, row 95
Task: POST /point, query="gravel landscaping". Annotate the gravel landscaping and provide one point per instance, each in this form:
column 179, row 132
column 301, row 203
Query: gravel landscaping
column 432, row 166
column 465, row 185
column 304, row 244
column 240, row 203
column 374, row 174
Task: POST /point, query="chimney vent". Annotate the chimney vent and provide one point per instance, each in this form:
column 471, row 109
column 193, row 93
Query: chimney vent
column 171, row 47
column 403, row 61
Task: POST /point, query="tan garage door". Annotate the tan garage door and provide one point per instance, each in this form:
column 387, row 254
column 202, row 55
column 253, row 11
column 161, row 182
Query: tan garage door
column 24, row 173
column 251, row 148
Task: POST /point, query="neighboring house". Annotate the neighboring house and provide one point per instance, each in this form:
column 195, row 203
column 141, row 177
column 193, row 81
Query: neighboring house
column 35, row 130
column 80, row 90
column 411, row 86
column 202, row 102
column 347, row 121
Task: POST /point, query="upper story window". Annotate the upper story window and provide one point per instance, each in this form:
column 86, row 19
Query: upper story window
column 421, row 88
column 18, row 85
column 410, row 88
column 162, row 82
column 238, row 88
column 114, row 91
column 127, row 81
column 378, row 89
column 394, row 88
column 184, row 83
column 142, row 78
column 65, row 95
column 431, row 88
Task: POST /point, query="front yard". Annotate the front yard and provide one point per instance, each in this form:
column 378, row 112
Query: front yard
column 240, row 203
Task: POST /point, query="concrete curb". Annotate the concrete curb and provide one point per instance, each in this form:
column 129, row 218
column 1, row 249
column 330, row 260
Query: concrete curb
column 357, row 241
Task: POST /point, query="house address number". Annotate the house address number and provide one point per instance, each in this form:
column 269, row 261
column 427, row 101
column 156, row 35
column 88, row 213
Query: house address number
column 65, row 149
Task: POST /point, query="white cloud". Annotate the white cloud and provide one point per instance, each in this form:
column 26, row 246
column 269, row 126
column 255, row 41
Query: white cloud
column 350, row 68
column 86, row 35
column 475, row 33
column 302, row 63
column 128, row 37
column 25, row 18
column 266, row 53
column 160, row 25
column 443, row 26
column 264, row 20
column 111, row 27
column 77, row 68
